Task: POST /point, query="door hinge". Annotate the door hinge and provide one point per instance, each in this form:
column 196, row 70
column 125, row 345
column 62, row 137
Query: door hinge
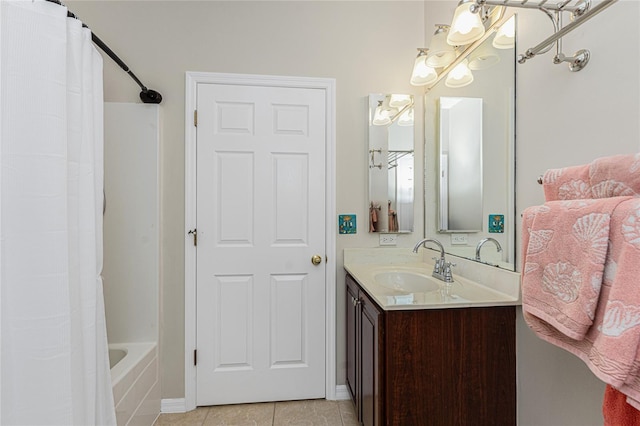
column 195, row 357
column 195, row 117
column 194, row 233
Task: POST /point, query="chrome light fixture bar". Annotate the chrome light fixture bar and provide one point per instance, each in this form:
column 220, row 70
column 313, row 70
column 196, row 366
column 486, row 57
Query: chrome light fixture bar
column 580, row 11
column 492, row 21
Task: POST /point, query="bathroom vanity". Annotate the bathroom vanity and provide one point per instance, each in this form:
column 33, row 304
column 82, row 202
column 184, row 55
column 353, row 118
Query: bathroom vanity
column 412, row 360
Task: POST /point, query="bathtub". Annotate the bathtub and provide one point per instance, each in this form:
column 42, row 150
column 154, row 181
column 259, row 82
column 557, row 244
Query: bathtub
column 136, row 389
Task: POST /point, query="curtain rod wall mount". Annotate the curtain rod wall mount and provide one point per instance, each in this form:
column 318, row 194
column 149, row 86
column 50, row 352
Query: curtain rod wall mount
column 150, row 97
column 147, row 96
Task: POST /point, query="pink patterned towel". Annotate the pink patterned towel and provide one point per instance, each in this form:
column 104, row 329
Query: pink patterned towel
column 564, row 259
column 614, row 176
column 610, row 347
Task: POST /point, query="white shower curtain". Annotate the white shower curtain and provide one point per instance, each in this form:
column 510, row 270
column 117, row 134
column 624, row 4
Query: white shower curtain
column 53, row 347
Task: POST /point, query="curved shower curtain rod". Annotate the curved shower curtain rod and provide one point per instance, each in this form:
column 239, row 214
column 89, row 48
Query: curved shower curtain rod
column 147, row 96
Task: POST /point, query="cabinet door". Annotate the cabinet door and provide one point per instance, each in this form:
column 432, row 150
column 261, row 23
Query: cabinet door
column 352, row 319
column 450, row 366
column 370, row 336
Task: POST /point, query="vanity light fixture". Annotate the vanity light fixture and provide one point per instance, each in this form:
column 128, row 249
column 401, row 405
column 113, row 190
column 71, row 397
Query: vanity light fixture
column 422, row 74
column 459, row 76
column 465, row 29
column 441, row 53
column 492, row 18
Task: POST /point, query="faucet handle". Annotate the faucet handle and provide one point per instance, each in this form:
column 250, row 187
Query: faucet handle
column 446, row 271
column 437, row 265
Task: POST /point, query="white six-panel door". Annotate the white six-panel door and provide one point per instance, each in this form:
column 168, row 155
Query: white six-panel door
column 260, row 330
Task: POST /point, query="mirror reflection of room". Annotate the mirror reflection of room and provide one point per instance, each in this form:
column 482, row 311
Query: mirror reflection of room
column 391, row 163
column 465, row 192
column 460, row 158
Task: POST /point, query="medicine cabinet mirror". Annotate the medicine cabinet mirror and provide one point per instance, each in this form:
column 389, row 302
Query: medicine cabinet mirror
column 391, row 162
column 470, row 158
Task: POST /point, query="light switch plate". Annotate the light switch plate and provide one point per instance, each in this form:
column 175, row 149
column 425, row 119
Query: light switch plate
column 459, row 238
column 347, row 224
column 388, row 239
column 496, row 223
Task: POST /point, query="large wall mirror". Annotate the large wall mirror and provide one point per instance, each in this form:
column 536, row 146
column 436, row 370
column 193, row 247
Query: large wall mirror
column 470, row 156
column 391, row 163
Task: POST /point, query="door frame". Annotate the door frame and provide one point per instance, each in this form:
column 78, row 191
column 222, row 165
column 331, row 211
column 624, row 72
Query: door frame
column 190, row 315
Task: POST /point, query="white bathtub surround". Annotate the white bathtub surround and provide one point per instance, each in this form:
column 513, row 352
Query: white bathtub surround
column 131, row 256
column 115, row 356
column 136, row 388
column 132, row 221
column 55, row 368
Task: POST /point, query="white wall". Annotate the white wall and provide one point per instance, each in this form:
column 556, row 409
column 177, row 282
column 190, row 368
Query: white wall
column 131, row 222
column 563, row 118
column 368, row 47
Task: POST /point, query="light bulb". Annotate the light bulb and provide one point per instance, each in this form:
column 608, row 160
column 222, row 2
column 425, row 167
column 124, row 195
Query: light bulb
column 399, row 101
column 441, row 53
column 483, row 57
column 422, row 73
column 381, row 116
column 466, row 26
column 406, row 119
column 459, row 76
column 506, row 36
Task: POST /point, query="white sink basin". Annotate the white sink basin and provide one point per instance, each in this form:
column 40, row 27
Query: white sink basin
column 404, row 282
column 397, row 283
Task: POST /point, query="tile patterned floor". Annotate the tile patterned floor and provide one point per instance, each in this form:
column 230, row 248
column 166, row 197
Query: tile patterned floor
column 292, row 413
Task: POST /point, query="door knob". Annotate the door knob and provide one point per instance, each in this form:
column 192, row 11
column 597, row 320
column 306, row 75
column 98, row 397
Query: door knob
column 315, row 259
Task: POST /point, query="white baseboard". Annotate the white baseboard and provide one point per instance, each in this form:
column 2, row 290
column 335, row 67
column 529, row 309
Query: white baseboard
column 342, row 392
column 178, row 405
column 175, row 405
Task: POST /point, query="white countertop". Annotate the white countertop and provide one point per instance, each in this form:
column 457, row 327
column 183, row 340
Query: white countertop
column 397, row 278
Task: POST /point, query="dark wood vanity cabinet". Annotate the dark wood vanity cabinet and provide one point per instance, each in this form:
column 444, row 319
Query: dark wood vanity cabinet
column 364, row 353
column 451, row 366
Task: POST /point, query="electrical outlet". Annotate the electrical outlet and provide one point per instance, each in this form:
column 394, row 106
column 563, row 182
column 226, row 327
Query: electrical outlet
column 459, row 239
column 388, row 239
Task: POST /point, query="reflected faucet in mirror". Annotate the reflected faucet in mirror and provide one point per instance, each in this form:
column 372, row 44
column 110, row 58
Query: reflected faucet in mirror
column 482, row 242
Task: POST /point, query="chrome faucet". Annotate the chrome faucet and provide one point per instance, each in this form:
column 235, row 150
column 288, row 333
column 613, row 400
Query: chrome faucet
column 481, row 243
column 441, row 268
